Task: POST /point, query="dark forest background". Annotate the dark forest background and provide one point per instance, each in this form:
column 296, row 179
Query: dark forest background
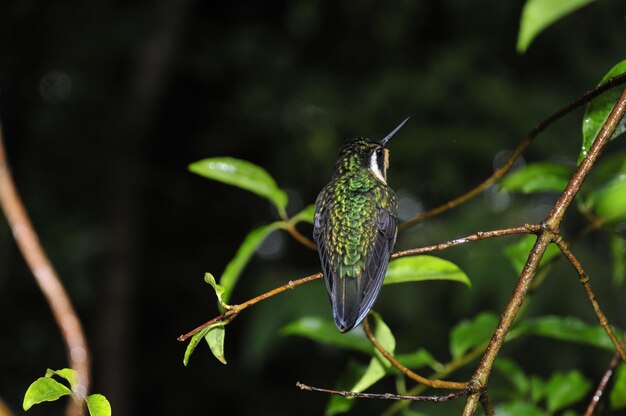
column 105, row 103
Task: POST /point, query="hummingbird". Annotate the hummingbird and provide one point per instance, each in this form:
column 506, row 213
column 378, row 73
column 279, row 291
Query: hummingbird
column 355, row 227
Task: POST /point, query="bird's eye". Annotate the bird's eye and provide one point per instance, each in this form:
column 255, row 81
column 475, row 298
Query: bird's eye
column 379, row 152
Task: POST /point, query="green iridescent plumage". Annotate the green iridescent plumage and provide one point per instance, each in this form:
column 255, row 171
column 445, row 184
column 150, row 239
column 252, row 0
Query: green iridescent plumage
column 355, row 229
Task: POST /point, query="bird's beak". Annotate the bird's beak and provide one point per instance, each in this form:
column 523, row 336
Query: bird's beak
column 394, row 131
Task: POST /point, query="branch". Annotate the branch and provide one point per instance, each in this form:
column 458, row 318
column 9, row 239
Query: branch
column 584, row 279
column 550, row 233
column 384, row 396
column 501, row 171
column 48, row 281
column 603, row 383
column 438, row 384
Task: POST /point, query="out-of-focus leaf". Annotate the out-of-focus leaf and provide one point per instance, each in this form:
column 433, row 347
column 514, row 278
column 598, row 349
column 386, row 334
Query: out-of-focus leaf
column 537, row 15
column 564, row 389
column 514, row 373
column 324, row 331
column 565, row 329
column 599, row 109
column 418, row 268
column 609, row 202
column 66, row 373
column 242, row 174
column 471, row 333
column 378, row 365
column 215, row 339
column 44, row 389
column 518, row 252
column 338, row 404
column 618, row 393
column 418, row 359
column 618, row 254
column 305, row 215
column 219, row 290
column 537, row 177
column 234, row 268
column 518, row 408
column 98, row 405
column 537, row 389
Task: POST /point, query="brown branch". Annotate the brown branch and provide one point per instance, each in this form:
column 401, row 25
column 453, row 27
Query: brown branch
column 48, row 281
column 438, row 384
column 486, row 403
column 501, row 171
column 604, row 381
column 383, row 396
column 550, row 233
column 235, row 309
column 584, row 279
column 291, row 229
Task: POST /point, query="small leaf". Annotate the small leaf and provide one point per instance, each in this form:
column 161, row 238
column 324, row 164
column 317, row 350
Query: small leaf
column 609, row 201
column 514, row 373
column 618, row 394
column 564, row 389
column 66, row 373
column 537, row 177
column 518, row 408
column 243, row 174
column 599, row 109
column 305, row 215
column 537, row 389
column 98, row 405
column 215, row 339
column 518, row 252
column 469, row 334
column 325, row 332
column 219, row 290
column 565, row 329
column 418, row 359
column 195, row 340
column 537, row 15
column 419, row 268
column 234, row 268
column 44, row 389
column 378, row 364
column 618, row 255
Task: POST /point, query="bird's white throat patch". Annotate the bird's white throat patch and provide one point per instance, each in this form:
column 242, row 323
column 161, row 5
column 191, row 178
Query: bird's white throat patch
column 375, row 169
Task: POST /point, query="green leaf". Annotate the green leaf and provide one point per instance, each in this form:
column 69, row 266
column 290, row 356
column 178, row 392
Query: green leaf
column 618, row 394
column 565, row 329
column 518, row 408
column 419, row 268
column 234, row 268
column 418, row 359
column 338, row 404
column 564, row 389
column 219, row 290
column 518, row 252
column 377, row 368
column 537, row 177
column 325, row 332
column 305, row 215
column 514, row 373
column 537, row 389
column 196, row 338
column 618, row 255
column 243, row 174
column 65, row 373
column 599, row 109
column 98, row 405
column 44, row 389
column 469, row 334
column 608, row 202
column 537, row 15
column 215, row 339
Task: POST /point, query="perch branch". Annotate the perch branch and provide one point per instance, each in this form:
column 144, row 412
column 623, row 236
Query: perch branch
column 615, row 360
column 47, row 279
column 550, row 233
column 501, row 171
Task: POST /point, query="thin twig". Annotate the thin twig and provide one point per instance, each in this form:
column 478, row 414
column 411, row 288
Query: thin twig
column 486, row 403
column 501, row 171
column 291, row 229
column 235, row 309
column 604, row 381
column 48, row 281
column 384, row 396
column 438, row 384
column 584, row 279
column 549, row 234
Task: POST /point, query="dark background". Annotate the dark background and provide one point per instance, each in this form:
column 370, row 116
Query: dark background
column 104, row 103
